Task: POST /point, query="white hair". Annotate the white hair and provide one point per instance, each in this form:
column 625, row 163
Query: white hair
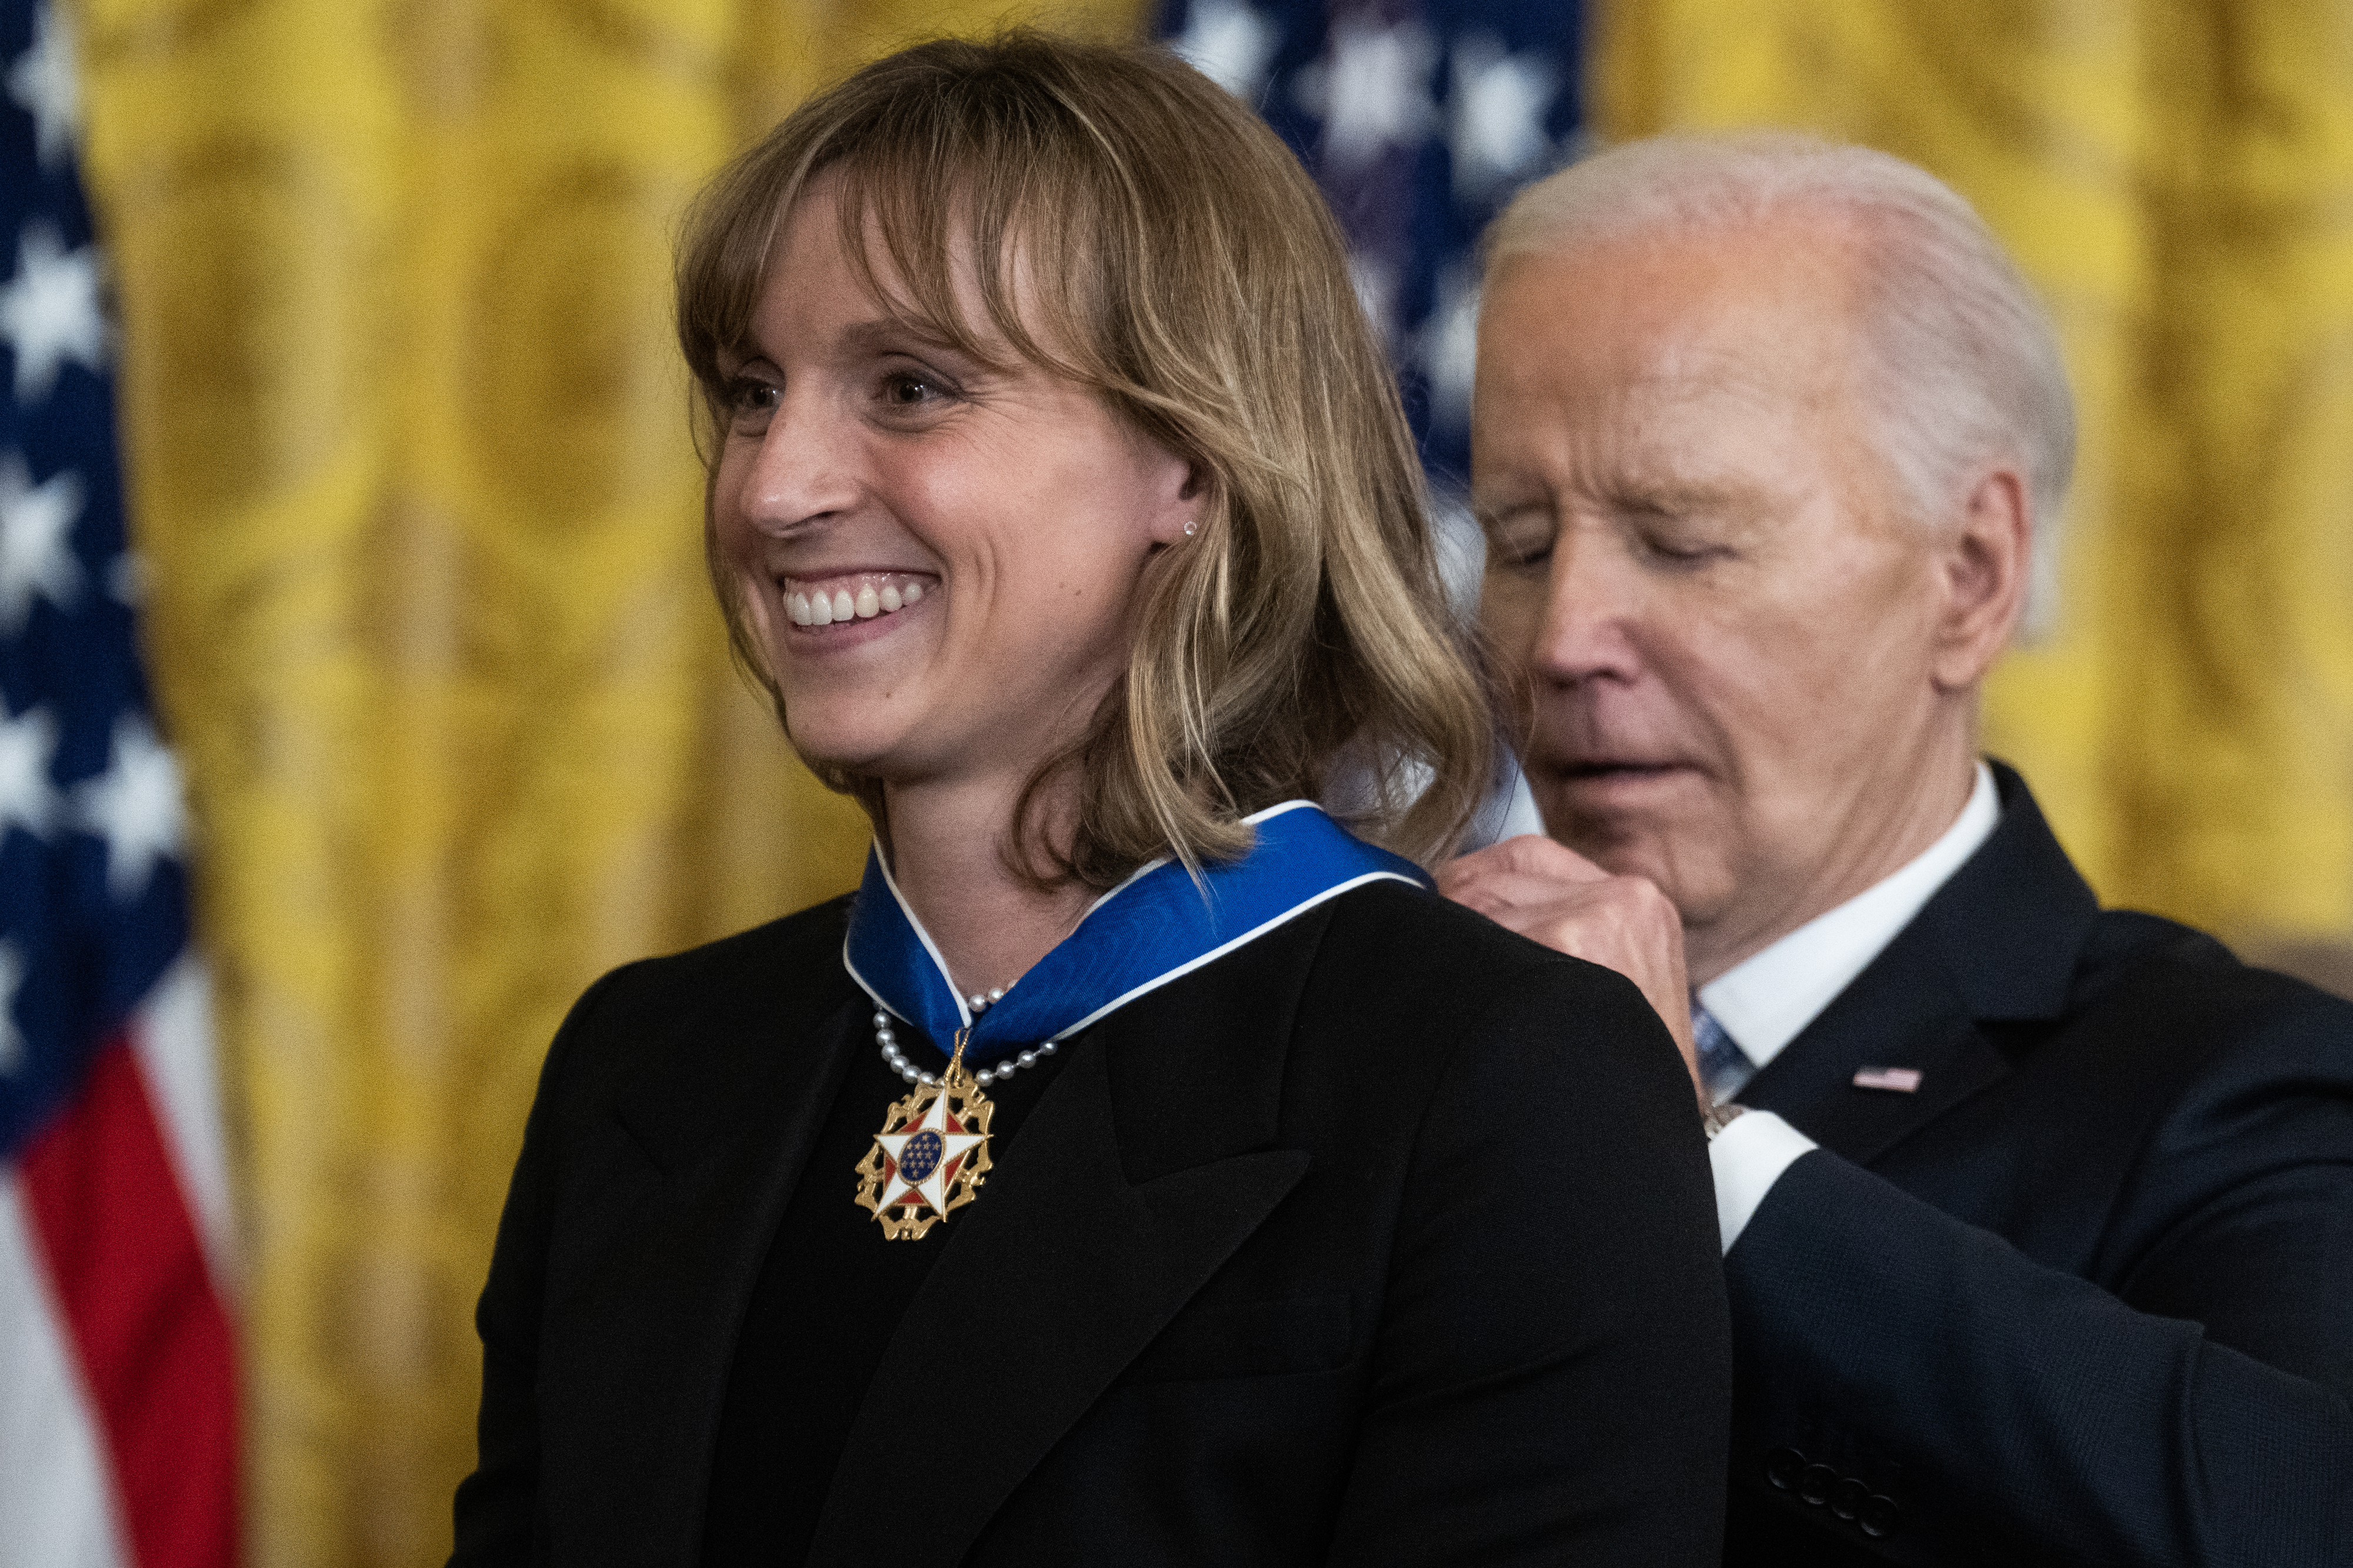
column 1968, row 371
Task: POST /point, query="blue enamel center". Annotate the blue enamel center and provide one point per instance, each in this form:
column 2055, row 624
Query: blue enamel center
column 921, row 1157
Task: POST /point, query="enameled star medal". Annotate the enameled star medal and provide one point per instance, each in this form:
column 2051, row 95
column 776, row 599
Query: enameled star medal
column 1165, row 922
column 932, row 1154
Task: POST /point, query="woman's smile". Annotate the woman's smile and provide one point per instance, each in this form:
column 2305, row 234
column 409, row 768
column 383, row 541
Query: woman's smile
column 839, row 597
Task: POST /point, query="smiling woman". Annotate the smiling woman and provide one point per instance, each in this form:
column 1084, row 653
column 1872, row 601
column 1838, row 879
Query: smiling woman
column 1142, row 1164
column 1005, row 506
column 1125, row 265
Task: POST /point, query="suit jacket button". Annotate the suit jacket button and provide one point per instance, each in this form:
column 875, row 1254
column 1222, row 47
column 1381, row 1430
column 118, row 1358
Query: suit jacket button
column 1878, row 1516
column 1782, row 1467
column 1814, row 1483
column 1846, row 1498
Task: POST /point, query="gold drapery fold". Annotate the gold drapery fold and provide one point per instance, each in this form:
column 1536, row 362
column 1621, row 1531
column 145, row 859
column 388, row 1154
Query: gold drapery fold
column 420, row 515
column 2176, row 178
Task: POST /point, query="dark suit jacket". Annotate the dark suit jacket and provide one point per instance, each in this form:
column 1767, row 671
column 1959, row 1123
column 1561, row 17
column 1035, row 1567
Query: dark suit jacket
column 1387, row 1237
column 2086, row 1297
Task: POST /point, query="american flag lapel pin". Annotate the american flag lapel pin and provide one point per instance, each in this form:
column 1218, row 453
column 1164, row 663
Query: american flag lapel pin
column 1897, row 1080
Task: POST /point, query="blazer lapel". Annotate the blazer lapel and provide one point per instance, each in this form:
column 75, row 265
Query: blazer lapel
column 1123, row 1191
column 1902, row 1012
column 1998, row 941
column 726, row 1130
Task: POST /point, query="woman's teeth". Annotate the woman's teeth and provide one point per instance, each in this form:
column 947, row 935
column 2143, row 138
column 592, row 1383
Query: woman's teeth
column 822, row 608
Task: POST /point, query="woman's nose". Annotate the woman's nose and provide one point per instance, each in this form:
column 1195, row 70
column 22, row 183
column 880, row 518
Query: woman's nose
column 804, row 469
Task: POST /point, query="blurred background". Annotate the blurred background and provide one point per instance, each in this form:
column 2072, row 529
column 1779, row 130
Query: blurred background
column 408, row 471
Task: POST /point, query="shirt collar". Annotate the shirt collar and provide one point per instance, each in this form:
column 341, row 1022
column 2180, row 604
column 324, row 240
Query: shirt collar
column 1764, row 1001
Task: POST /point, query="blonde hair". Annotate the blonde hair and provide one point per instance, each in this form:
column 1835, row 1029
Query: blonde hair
column 1967, row 368
column 1173, row 257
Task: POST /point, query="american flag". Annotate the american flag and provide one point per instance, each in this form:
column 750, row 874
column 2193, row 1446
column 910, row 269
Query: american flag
column 1419, row 120
column 117, row 1383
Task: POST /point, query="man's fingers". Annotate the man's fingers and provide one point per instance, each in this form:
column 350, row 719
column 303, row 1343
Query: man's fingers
column 1497, row 891
column 1516, row 873
column 1529, row 855
column 1570, row 905
column 1521, row 903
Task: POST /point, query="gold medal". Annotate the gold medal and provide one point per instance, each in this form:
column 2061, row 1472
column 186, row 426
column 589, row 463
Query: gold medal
column 932, row 1154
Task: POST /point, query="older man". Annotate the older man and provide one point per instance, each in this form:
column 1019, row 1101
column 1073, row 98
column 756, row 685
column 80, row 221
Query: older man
column 2040, row 1226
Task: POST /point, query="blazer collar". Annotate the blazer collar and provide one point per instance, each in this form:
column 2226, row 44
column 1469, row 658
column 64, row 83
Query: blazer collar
column 1128, row 1186
column 725, row 1128
column 2011, row 925
column 1999, row 941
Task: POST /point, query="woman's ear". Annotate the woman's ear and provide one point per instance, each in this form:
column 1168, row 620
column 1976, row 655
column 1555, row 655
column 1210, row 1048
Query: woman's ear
column 1181, row 491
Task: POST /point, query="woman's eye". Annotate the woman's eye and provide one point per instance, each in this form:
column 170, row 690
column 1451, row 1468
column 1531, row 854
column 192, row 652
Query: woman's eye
column 751, row 395
column 908, row 391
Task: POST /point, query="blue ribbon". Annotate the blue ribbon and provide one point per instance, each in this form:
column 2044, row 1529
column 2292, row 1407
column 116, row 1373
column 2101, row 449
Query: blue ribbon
column 1151, row 929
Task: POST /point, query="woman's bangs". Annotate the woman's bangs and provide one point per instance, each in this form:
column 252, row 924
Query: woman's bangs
column 980, row 264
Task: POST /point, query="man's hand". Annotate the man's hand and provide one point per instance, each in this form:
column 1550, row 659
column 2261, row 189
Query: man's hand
column 1556, row 896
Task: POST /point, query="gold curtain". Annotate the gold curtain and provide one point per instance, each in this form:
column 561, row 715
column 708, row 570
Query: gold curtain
column 2177, row 177
column 421, row 519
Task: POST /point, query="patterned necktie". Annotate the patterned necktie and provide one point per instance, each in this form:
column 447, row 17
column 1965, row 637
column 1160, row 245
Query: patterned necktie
column 1722, row 1068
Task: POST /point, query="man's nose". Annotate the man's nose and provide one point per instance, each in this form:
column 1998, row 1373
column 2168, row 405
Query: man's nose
column 1592, row 604
column 805, row 470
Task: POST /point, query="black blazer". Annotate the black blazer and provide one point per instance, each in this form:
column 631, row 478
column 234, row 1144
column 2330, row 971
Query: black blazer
column 2086, row 1297
column 1387, row 1237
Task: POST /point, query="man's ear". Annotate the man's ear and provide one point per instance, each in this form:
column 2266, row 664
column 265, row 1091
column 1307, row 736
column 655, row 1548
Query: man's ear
column 1982, row 567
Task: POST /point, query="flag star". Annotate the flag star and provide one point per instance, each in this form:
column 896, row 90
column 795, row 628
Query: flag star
column 27, row 745
column 939, row 1146
column 135, row 806
column 42, row 83
column 36, row 554
column 1447, row 345
column 1375, row 282
column 12, row 980
column 1373, row 93
column 48, row 311
column 1231, row 44
column 1499, row 104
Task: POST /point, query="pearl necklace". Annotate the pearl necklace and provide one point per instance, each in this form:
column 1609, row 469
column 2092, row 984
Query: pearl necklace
column 886, row 1037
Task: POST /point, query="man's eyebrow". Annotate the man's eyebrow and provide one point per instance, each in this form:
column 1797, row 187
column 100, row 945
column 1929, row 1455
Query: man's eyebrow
column 1488, row 513
column 1675, row 498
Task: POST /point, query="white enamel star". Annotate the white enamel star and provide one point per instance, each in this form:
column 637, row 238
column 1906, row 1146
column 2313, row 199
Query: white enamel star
column 932, row 1188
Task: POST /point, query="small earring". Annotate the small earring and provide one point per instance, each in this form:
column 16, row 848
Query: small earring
column 1192, row 527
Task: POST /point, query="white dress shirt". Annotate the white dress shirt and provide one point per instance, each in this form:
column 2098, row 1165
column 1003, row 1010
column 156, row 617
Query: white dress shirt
column 1765, row 1001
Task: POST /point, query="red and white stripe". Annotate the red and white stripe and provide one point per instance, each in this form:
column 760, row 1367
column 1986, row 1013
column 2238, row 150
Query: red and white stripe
column 118, row 1385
